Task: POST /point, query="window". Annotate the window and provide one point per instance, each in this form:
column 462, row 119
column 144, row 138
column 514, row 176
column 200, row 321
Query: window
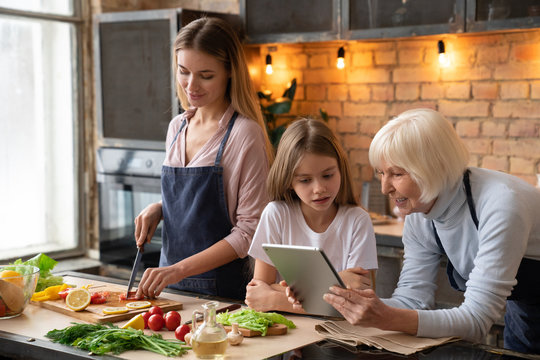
column 39, row 127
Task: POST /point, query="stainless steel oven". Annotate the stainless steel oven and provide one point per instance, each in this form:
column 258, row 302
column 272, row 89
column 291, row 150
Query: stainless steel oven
column 128, row 181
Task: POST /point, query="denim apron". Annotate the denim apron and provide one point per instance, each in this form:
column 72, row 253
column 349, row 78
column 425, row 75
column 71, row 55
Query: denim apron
column 522, row 317
column 195, row 217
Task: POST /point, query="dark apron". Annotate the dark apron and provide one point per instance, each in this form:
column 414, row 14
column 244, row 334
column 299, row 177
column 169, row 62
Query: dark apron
column 195, row 217
column 522, row 317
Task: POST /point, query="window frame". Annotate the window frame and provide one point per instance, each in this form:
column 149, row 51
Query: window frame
column 81, row 158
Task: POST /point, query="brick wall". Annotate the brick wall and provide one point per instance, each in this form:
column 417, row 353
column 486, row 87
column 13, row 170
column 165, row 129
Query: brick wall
column 490, row 91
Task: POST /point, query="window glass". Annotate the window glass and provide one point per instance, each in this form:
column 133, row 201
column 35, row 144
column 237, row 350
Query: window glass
column 57, row 7
column 38, row 181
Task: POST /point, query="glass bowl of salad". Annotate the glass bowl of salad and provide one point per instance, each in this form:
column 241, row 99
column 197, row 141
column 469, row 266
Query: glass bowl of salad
column 17, row 285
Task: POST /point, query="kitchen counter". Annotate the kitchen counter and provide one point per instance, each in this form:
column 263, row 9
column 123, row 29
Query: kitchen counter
column 23, row 337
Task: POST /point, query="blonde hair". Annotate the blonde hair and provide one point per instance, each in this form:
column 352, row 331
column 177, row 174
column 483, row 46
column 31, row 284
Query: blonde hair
column 307, row 136
column 425, row 144
column 216, row 38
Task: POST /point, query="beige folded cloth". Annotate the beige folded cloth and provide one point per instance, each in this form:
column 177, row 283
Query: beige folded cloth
column 395, row 341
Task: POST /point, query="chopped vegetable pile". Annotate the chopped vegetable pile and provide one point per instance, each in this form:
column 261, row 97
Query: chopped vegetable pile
column 100, row 339
column 45, row 265
column 254, row 320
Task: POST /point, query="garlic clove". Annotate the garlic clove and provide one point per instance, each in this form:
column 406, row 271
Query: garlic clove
column 234, row 336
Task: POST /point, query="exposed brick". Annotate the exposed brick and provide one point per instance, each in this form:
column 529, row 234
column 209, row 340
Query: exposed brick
column 416, row 74
column 358, row 156
column 431, row 91
column 493, row 129
column 370, row 126
column 516, row 109
column 499, row 163
column 492, row 54
column 356, row 141
column 464, row 108
column 474, row 160
column 516, row 71
column 360, row 59
column 397, row 108
column 318, row 61
column 526, row 52
column 315, row 92
column 485, row 90
column 524, row 128
column 466, row 73
column 369, row 109
column 366, row 173
column 338, row 92
column 461, row 90
column 526, row 148
column 324, row 76
column 385, row 57
column 407, row 91
column 478, row 146
column 468, row 128
column 359, row 92
column 410, row 56
column 514, row 90
column 521, row 166
column 535, row 90
column 297, row 61
column 333, row 108
column 347, row 125
column 382, row 92
column 368, row 76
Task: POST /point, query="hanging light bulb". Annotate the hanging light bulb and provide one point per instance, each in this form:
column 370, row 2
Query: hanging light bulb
column 443, row 57
column 269, row 70
column 340, row 64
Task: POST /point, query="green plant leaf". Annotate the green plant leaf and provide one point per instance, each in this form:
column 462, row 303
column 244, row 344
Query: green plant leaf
column 289, row 93
column 324, row 114
column 281, row 106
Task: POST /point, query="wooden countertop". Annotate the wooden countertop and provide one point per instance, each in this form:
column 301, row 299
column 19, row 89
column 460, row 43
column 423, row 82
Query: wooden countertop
column 35, row 322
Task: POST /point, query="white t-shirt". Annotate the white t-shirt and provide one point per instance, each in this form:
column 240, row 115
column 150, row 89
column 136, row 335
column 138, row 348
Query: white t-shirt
column 348, row 242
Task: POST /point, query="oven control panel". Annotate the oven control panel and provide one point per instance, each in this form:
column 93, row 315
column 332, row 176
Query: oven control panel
column 120, row 161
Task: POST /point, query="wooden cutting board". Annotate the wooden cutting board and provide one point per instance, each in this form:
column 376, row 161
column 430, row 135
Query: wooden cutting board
column 276, row 329
column 94, row 312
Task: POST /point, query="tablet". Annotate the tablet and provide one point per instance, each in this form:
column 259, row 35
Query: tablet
column 309, row 273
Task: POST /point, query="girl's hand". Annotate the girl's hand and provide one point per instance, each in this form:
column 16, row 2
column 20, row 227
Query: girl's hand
column 291, row 297
column 259, row 295
column 356, row 278
column 147, row 222
column 154, row 280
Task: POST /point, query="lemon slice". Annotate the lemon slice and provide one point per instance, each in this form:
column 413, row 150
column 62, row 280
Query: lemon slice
column 78, row 299
column 138, row 304
column 137, row 323
column 115, row 310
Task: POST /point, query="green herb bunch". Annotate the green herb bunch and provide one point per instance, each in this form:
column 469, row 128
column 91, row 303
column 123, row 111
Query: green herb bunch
column 101, row 339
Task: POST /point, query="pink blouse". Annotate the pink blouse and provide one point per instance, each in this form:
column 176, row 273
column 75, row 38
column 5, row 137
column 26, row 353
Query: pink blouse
column 245, row 169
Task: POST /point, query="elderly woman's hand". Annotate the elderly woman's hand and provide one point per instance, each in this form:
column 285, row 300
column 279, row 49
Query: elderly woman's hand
column 356, row 278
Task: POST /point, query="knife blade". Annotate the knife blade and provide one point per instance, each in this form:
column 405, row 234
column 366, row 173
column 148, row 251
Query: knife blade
column 218, row 311
column 134, row 271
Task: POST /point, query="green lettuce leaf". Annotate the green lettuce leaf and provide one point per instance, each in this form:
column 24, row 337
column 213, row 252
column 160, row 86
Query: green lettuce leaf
column 45, row 265
column 253, row 320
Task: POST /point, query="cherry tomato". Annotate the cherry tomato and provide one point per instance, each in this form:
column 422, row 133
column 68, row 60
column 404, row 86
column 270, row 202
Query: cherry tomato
column 181, row 332
column 155, row 322
column 2, row 308
column 146, row 315
column 155, row 310
column 172, row 321
column 173, row 314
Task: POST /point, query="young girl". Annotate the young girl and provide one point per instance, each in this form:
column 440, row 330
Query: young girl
column 312, row 204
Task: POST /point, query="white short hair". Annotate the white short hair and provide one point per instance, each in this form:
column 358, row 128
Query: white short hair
column 425, row 144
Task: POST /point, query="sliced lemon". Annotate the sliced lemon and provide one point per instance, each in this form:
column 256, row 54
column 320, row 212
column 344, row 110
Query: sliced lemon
column 13, row 277
column 78, row 299
column 115, row 310
column 136, row 322
column 138, row 304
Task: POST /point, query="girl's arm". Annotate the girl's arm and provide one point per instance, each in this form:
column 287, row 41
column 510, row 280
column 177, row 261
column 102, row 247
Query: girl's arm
column 263, row 294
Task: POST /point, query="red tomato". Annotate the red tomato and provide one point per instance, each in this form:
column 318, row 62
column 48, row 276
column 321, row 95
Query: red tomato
column 131, row 296
column 2, row 308
column 181, row 332
column 172, row 321
column 155, row 322
column 99, row 299
column 146, row 315
column 156, row 310
column 174, row 314
column 64, row 293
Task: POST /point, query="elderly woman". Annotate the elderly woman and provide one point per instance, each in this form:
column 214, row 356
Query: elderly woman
column 486, row 222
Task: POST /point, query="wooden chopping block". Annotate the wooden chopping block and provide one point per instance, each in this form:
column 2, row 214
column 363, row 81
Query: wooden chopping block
column 276, row 329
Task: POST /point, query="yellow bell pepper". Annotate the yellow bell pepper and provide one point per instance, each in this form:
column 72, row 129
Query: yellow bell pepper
column 50, row 293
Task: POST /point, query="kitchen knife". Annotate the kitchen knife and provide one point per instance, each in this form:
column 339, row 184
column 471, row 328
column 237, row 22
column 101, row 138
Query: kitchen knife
column 221, row 310
column 134, row 271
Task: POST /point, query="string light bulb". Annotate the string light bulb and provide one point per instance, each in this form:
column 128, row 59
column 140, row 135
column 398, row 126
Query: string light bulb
column 340, row 63
column 269, row 69
column 443, row 56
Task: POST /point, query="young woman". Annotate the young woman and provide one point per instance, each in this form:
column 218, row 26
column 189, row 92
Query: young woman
column 312, row 205
column 485, row 221
column 213, row 176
